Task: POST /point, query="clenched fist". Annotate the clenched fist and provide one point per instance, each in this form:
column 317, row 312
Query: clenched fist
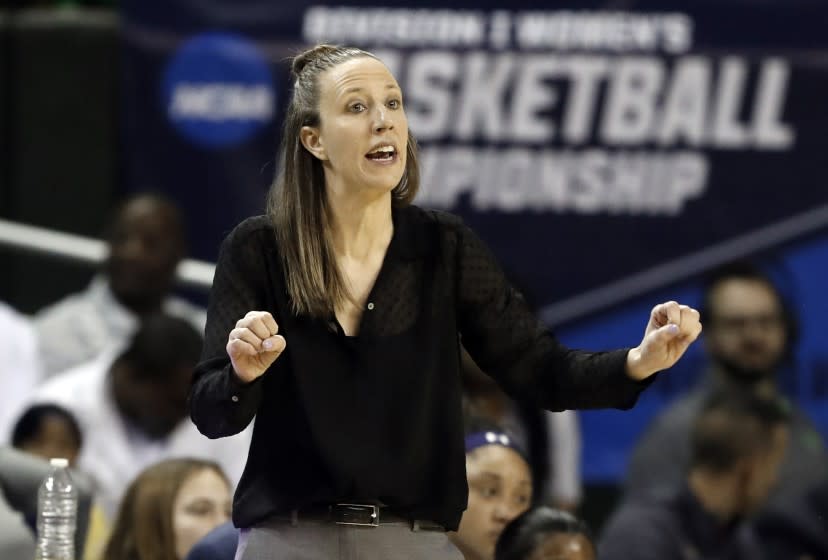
column 671, row 329
column 254, row 345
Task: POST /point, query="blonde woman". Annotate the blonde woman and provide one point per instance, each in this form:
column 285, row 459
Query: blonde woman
column 167, row 509
column 335, row 321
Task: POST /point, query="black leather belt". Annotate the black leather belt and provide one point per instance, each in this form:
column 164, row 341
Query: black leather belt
column 361, row 515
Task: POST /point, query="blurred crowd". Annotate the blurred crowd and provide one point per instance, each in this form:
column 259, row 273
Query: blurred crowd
column 731, row 470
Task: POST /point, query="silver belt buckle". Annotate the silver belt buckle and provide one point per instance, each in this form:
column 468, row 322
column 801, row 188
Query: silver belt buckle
column 359, row 508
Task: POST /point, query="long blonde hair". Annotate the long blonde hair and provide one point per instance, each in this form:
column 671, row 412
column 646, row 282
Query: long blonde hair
column 297, row 202
column 144, row 527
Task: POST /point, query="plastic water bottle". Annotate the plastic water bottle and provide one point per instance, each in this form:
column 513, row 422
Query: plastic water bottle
column 57, row 511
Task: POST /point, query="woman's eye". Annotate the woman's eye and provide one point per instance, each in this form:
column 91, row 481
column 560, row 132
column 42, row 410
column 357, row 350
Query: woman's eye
column 357, row 107
column 198, row 510
column 394, row 104
column 488, row 492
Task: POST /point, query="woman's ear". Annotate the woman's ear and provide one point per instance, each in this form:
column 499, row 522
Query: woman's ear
column 309, row 136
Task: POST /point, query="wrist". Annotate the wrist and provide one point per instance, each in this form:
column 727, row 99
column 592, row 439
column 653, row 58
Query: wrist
column 635, row 368
column 239, row 378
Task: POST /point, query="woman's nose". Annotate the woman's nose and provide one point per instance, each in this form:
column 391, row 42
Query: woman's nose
column 502, row 512
column 382, row 120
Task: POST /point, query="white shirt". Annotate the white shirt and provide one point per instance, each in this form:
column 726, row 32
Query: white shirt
column 79, row 327
column 113, row 453
column 20, row 369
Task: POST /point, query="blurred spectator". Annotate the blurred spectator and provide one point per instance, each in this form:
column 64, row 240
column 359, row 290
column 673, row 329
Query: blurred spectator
column 552, row 440
column 20, row 477
column 544, row 533
column 167, row 509
column 146, row 243
column 132, row 410
column 748, row 333
column 218, row 544
column 500, row 489
column 48, row 431
column 737, row 444
column 20, row 368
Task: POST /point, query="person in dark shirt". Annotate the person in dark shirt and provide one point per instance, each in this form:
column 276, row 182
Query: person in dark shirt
column 737, row 444
column 336, row 320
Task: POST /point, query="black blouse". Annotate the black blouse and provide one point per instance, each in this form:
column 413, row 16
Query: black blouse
column 378, row 417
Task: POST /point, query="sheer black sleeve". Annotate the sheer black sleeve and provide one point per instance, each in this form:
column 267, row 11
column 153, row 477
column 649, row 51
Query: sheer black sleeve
column 509, row 343
column 220, row 403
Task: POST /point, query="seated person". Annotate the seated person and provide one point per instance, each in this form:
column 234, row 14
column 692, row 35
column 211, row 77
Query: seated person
column 167, row 509
column 500, row 489
column 544, row 533
column 48, row 431
column 132, row 409
column 750, row 334
column 551, row 440
column 146, row 243
column 20, row 477
column 738, row 442
column 218, row 544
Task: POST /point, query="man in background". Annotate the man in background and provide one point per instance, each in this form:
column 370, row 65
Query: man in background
column 737, row 442
column 748, row 334
column 146, row 243
column 132, row 409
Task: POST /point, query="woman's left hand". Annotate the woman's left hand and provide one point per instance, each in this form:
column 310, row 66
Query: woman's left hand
column 670, row 331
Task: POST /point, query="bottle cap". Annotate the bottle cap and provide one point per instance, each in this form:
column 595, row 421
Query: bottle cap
column 59, row 462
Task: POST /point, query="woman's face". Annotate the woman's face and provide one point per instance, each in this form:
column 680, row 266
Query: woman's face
column 363, row 131
column 500, row 489
column 202, row 503
column 564, row 546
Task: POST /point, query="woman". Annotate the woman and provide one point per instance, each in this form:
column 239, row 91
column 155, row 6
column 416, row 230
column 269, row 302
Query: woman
column 545, row 534
column 551, row 440
column 500, row 489
column 167, row 509
column 334, row 320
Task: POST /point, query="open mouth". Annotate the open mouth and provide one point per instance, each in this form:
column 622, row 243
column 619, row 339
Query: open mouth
column 382, row 154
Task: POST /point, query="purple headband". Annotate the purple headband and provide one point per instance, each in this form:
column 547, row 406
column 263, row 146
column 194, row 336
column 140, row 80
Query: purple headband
column 479, row 439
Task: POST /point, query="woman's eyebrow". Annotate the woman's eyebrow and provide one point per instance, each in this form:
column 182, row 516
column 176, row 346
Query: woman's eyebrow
column 490, row 474
column 358, row 89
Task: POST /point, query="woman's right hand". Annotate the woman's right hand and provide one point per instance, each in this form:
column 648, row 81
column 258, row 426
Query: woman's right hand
column 254, row 345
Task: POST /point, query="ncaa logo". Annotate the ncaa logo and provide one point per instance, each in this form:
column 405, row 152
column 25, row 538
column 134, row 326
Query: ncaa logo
column 218, row 90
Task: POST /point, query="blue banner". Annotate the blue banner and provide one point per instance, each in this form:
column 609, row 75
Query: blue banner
column 603, row 154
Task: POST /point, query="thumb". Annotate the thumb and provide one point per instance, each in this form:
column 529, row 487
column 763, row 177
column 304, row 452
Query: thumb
column 275, row 344
column 666, row 333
